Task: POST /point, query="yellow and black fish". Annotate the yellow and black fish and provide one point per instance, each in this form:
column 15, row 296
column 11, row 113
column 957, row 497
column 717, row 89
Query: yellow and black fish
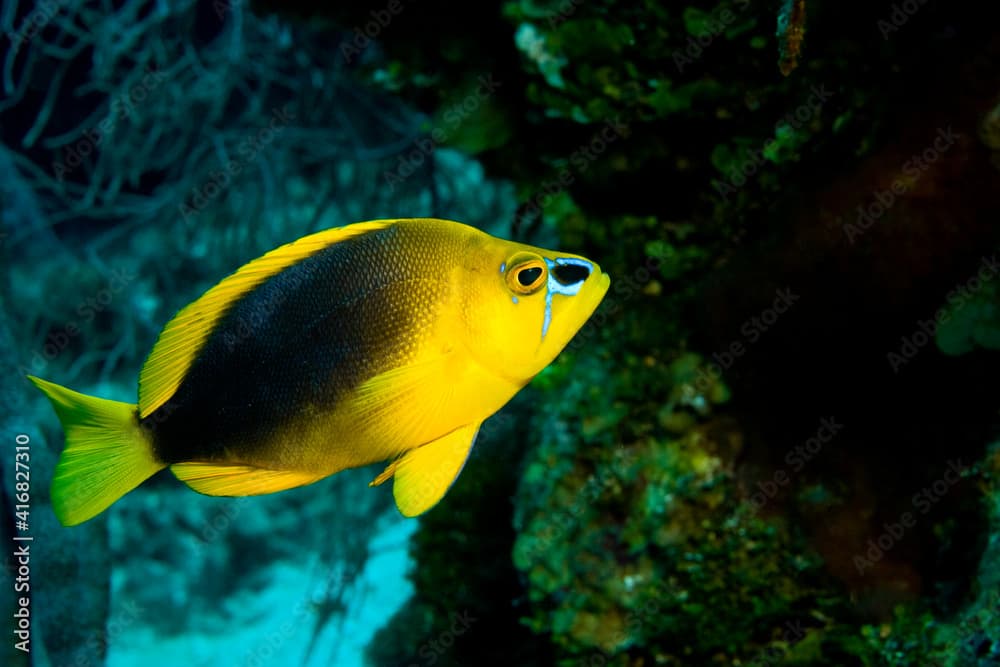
column 389, row 340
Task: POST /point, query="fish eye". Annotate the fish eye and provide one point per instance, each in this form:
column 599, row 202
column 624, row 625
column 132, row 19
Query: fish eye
column 529, row 275
column 526, row 273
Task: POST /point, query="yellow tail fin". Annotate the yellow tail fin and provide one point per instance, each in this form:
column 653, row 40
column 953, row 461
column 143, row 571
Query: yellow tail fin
column 106, row 456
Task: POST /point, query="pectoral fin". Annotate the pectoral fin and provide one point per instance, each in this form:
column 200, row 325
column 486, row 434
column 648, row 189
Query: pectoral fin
column 222, row 479
column 407, row 405
column 423, row 475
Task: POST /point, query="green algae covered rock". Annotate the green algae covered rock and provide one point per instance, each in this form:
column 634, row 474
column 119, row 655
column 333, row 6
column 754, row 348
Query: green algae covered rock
column 635, row 542
column 971, row 319
column 969, row 638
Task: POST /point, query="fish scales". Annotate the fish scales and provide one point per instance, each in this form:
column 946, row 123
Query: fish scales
column 300, row 341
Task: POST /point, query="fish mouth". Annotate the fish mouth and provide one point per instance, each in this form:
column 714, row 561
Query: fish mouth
column 601, row 282
column 596, row 288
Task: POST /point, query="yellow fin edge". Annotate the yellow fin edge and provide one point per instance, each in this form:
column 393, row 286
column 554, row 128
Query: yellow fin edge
column 424, row 475
column 224, row 479
column 182, row 337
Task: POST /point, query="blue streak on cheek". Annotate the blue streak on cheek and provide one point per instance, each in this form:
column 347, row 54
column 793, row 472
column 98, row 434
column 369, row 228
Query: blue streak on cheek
column 554, row 287
column 513, row 299
column 503, row 267
column 548, row 312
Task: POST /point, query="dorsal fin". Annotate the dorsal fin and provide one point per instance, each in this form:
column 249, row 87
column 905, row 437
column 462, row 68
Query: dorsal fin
column 183, row 337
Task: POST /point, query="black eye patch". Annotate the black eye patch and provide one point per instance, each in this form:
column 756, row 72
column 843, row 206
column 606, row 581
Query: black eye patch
column 527, row 277
column 570, row 274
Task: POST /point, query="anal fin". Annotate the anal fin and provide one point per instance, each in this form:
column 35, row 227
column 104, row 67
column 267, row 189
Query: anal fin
column 423, row 475
column 230, row 479
column 385, row 475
